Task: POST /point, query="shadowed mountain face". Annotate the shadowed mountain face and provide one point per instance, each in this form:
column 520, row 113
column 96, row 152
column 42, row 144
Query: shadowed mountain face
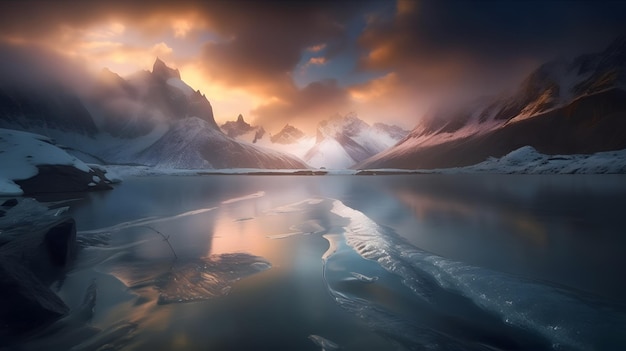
column 134, row 107
column 236, row 128
column 564, row 107
column 42, row 108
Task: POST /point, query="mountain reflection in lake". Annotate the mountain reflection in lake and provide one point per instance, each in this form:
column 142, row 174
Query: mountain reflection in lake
column 358, row 263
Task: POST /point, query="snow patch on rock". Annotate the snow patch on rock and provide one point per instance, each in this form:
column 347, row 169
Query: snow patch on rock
column 526, row 160
column 22, row 152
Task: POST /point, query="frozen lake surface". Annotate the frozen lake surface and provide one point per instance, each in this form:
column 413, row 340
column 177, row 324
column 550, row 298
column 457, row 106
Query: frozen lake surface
column 406, row 262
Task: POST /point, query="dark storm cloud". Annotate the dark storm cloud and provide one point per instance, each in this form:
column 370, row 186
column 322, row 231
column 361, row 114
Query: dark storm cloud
column 266, row 43
column 262, row 48
column 32, row 66
column 412, row 49
column 456, row 40
column 258, row 48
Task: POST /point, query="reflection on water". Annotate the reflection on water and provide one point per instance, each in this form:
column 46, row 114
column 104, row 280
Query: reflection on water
column 187, row 280
column 357, row 263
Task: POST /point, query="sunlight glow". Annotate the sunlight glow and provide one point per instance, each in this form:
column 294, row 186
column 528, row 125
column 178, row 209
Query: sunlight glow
column 227, row 102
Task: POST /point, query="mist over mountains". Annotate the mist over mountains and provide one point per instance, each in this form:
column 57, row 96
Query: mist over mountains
column 563, row 107
column 153, row 118
column 340, row 141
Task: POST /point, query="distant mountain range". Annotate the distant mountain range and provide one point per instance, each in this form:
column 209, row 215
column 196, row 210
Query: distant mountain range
column 563, row 107
column 150, row 118
column 340, row 141
column 154, row 118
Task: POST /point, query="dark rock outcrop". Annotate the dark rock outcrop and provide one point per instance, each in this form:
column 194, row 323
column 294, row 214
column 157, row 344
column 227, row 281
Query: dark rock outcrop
column 9, row 203
column 44, row 107
column 236, row 128
column 64, row 179
column 29, row 263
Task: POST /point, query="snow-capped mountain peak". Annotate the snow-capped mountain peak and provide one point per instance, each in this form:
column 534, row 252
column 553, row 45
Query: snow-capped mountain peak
column 349, row 125
column 341, row 141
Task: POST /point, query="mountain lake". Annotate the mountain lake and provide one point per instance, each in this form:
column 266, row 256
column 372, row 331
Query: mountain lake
column 396, row 262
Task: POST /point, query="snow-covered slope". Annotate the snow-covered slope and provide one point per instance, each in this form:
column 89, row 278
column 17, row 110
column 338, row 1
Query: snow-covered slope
column 193, row 143
column 526, row 160
column 289, row 140
column 329, row 153
column 562, row 107
column 343, row 141
column 23, row 155
column 340, row 142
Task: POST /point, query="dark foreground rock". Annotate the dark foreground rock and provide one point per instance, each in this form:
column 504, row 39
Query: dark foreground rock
column 29, row 263
column 64, row 179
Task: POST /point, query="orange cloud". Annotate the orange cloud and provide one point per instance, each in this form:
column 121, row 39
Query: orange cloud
column 113, row 29
column 375, row 88
column 317, row 61
column 161, row 49
column 316, row 48
column 389, row 98
column 181, row 27
column 404, row 7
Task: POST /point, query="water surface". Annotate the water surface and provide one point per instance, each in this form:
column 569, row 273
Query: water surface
column 407, row 262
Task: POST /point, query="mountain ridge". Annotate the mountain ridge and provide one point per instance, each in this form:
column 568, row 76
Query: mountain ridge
column 556, row 101
column 121, row 120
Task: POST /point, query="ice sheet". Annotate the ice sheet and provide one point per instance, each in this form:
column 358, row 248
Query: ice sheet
column 144, row 222
column 569, row 320
column 187, row 280
column 324, row 343
column 242, row 198
column 305, row 228
column 294, row 207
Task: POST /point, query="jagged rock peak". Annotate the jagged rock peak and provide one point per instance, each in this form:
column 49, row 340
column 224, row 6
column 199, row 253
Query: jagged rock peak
column 289, row 134
column 240, row 123
column 348, row 125
column 161, row 70
column 237, row 127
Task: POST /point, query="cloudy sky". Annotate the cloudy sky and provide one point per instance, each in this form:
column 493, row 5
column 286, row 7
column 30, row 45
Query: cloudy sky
column 298, row 62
